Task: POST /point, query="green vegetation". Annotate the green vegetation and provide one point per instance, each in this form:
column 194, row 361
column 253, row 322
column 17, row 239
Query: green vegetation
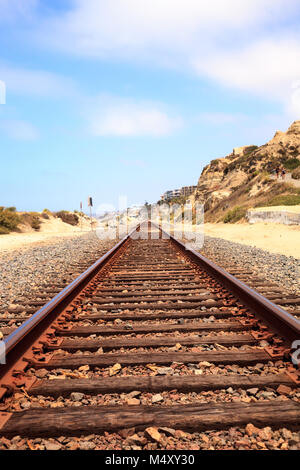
column 264, row 177
column 180, row 200
column 286, row 200
column 46, row 214
column 9, row 220
column 235, row 215
column 67, row 217
column 291, row 164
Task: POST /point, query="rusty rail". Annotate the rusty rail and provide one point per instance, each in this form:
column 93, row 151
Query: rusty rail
column 277, row 318
column 174, row 273
column 19, row 341
column 281, row 321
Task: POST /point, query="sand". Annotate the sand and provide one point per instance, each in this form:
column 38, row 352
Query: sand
column 50, row 232
column 294, row 209
column 275, row 238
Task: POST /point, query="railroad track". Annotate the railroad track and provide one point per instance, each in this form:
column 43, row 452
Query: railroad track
column 151, row 337
column 270, row 289
column 12, row 316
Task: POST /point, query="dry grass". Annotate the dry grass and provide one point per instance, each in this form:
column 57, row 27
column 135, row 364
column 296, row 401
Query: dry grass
column 68, row 217
column 270, row 193
column 9, row 220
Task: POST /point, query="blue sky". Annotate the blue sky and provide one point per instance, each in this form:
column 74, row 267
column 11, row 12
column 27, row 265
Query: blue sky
column 128, row 97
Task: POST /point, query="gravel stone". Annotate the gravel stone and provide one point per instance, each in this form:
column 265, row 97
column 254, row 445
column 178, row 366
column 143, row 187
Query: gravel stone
column 280, row 269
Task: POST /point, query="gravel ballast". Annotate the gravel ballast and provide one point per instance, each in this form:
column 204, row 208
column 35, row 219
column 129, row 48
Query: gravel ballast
column 23, row 271
column 280, row 269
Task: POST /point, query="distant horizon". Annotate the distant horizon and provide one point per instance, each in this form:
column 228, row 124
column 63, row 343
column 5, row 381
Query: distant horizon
column 94, row 103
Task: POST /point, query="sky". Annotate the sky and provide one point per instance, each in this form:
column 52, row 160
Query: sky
column 110, row 98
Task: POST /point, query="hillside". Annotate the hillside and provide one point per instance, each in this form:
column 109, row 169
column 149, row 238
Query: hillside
column 242, row 180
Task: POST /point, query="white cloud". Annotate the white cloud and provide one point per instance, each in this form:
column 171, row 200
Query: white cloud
column 113, row 116
column 267, row 68
column 231, row 41
column 127, row 27
column 251, row 45
column 19, row 130
column 294, row 105
column 35, row 82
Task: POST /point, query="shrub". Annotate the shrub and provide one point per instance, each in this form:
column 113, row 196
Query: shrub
column 45, row 215
column 46, row 211
column 32, row 219
column 235, row 215
column 251, row 149
column 67, row 217
column 35, row 223
column 287, row 200
column 296, row 174
column 291, row 164
column 9, row 220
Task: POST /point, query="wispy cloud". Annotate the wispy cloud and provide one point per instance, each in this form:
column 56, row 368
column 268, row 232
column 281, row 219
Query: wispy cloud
column 19, row 130
column 36, row 82
column 230, row 41
column 124, row 27
column 267, row 68
column 115, row 116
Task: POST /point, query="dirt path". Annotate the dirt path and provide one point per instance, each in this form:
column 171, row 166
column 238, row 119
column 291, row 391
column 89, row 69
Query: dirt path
column 288, row 179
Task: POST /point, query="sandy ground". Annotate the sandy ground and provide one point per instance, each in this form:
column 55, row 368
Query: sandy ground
column 275, row 238
column 50, row 230
column 294, row 209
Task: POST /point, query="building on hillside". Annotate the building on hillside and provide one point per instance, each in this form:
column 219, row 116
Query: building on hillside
column 188, row 190
column 185, row 191
column 171, row 194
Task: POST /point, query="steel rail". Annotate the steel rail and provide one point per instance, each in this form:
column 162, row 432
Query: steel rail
column 17, row 342
column 278, row 319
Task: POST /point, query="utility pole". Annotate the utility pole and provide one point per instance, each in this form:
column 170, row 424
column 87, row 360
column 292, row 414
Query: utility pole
column 90, row 204
column 80, row 216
